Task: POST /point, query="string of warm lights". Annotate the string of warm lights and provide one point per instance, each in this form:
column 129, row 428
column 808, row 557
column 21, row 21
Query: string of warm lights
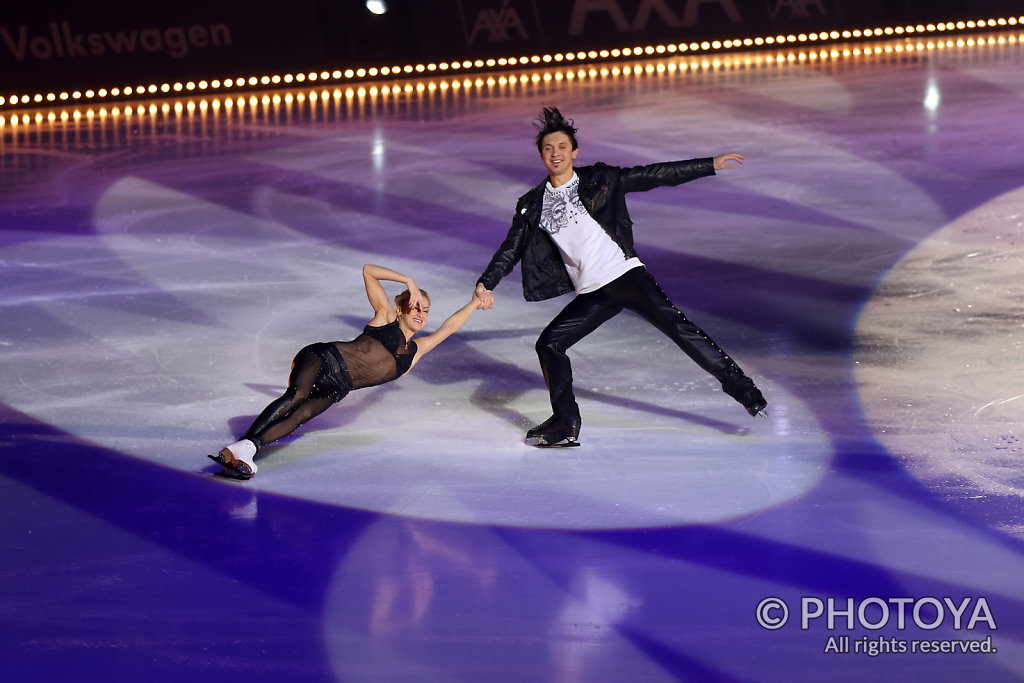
column 341, row 76
column 205, row 102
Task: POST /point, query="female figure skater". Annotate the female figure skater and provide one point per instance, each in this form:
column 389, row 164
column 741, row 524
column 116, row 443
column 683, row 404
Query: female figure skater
column 323, row 373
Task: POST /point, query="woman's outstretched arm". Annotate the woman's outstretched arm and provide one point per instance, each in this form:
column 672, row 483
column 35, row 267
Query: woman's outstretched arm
column 456, row 320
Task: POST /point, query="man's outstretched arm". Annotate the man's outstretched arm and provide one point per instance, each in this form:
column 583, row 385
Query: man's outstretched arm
column 728, row 160
column 503, row 261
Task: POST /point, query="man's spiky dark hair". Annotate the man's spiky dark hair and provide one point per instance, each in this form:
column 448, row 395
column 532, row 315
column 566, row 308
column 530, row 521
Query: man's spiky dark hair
column 552, row 121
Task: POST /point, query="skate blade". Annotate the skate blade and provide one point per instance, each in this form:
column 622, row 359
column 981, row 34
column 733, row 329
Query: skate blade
column 232, row 474
column 539, row 442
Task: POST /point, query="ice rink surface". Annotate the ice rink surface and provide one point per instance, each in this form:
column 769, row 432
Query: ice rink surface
column 161, row 266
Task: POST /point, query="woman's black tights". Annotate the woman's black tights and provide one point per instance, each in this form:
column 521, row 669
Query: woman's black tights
column 301, row 402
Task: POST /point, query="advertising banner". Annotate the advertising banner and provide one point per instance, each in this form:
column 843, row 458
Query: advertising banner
column 492, row 27
column 63, row 44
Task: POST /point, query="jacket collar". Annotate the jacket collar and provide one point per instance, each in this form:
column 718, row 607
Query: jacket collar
column 587, row 190
column 582, row 172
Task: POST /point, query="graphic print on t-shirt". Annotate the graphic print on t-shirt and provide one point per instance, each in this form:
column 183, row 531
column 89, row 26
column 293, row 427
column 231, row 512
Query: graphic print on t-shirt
column 560, row 204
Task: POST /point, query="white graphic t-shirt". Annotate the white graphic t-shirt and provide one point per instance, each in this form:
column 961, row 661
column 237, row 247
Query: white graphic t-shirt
column 591, row 256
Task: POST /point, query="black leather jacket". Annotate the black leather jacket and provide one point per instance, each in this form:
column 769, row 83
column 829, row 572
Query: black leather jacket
column 603, row 191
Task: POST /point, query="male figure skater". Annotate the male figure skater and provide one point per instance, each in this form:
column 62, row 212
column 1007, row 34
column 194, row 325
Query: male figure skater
column 573, row 232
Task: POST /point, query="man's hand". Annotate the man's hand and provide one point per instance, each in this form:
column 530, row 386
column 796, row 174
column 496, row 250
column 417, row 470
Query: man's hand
column 485, row 295
column 726, row 160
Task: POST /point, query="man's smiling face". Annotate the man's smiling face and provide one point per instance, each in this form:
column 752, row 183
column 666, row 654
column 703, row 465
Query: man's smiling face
column 557, row 153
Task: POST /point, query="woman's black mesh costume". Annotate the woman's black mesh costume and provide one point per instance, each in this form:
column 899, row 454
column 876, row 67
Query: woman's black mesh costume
column 323, row 373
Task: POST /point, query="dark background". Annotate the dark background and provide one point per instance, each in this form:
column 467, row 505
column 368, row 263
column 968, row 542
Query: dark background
column 269, row 36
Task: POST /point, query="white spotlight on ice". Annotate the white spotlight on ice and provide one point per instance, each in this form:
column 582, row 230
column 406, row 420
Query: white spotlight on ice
column 377, row 6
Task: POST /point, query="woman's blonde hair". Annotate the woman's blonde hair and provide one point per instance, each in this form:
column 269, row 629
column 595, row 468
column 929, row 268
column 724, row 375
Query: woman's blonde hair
column 402, row 300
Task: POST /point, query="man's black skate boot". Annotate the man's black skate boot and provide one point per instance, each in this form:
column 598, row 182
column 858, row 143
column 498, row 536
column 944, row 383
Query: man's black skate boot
column 742, row 388
column 555, row 432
